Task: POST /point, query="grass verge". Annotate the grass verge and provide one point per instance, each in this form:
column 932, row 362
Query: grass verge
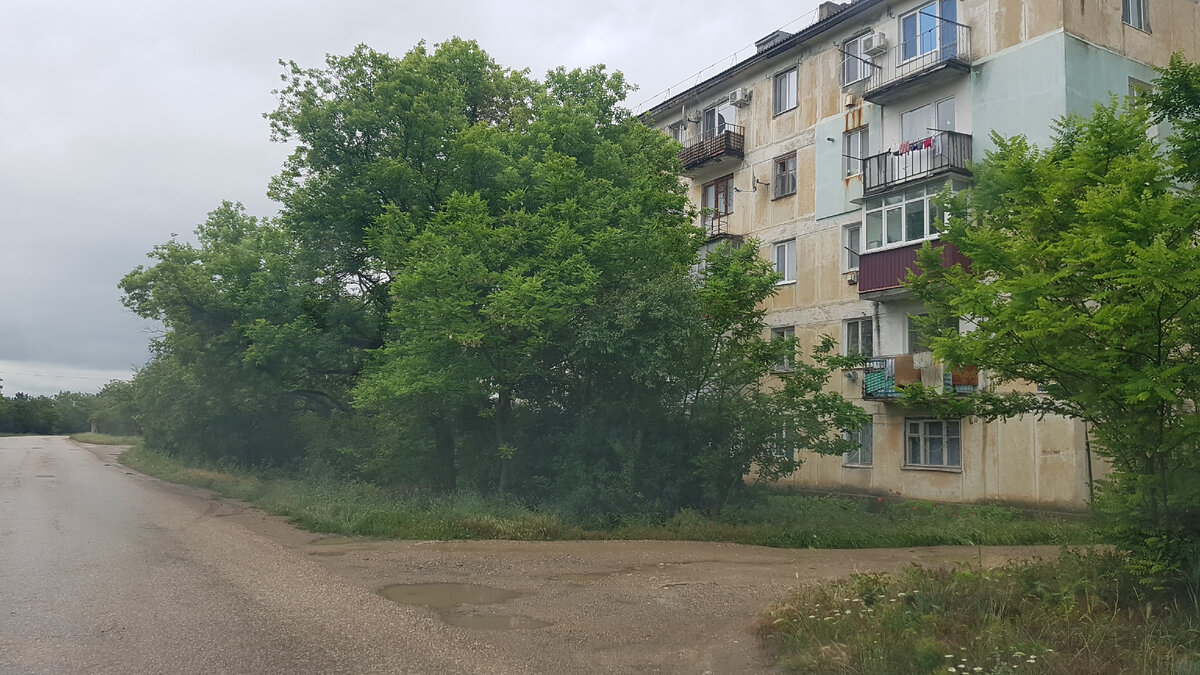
column 105, row 439
column 323, row 504
column 1080, row 614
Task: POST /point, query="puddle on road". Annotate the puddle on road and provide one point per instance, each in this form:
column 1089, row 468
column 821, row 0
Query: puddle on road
column 444, row 598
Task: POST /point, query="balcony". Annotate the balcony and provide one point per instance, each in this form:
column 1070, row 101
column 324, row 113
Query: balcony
column 884, row 378
column 881, row 274
column 728, row 140
column 917, row 159
column 941, row 50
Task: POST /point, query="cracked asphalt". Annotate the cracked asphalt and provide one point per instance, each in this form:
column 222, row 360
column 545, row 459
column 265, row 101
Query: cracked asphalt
column 103, row 570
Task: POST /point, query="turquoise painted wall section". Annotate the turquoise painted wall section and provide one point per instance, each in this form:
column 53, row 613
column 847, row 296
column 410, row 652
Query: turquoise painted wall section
column 1019, row 91
column 1094, row 74
column 833, row 192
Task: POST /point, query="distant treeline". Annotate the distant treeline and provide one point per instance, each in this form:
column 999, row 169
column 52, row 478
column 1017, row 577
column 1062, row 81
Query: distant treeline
column 71, row 412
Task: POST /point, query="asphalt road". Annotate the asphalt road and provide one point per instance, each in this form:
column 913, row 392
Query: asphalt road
column 104, row 571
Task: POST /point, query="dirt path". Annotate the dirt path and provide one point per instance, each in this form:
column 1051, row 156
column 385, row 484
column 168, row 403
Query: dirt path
column 592, row 606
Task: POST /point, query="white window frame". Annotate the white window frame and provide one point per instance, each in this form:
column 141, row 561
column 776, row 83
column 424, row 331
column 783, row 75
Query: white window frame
column 856, row 66
column 785, row 91
column 853, row 332
column 1136, row 14
column 864, row 456
column 934, row 43
column 852, row 245
column 932, row 444
column 854, row 150
column 783, row 333
column 784, row 176
column 904, row 203
column 783, row 255
column 678, row 131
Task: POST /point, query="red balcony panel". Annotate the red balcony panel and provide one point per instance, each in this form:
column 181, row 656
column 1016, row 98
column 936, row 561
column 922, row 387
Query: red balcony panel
column 887, row 269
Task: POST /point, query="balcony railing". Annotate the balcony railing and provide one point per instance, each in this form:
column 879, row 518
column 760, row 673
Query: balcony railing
column 942, row 50
column 884, row 378
column 728, row 140
column 886, row 269
column 916, row 159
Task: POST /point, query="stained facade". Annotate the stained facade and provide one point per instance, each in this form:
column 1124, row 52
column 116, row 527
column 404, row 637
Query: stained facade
column 826, row 146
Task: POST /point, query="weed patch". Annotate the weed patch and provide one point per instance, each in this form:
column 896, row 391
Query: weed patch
column 1081, row 614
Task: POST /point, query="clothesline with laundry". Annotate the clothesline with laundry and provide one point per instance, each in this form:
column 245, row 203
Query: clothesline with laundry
column 934, row 141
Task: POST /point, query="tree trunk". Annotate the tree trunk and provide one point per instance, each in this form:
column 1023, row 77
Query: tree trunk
column 503, row 416
column 445, row 474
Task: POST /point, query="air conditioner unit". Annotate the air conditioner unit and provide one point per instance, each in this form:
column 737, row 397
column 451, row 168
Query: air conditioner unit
column 740, row 97
column 874, row 44
column 852, row 278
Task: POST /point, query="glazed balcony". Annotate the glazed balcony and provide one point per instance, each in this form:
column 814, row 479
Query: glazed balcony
column 941, row 51
column 881, row 273
column 728, row 140
column 884, row 378
column 917, row 159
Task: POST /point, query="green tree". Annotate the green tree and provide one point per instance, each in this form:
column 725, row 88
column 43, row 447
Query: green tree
column 1084, row 269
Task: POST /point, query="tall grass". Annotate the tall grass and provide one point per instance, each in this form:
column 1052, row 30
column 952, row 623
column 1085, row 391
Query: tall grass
column 1081, row 614
column 323, row 504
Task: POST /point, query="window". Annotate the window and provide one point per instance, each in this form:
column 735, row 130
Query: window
column 933, row 443
column 855, row 64
column 860, row 337
column 679, row 131
column 920, row 341
column 718, row 204
column 923, row 122
column 785, row 176
column 853, row 246
column 930, row 29
column 1134, row 13
column 785, row 92
column 864, row 437
column 717, row 118
column 787, row 333
column 904, row 216
column 854, row 150
column 785, row 261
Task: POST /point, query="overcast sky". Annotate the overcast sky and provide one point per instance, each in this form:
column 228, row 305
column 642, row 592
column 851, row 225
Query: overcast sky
column 123, row 123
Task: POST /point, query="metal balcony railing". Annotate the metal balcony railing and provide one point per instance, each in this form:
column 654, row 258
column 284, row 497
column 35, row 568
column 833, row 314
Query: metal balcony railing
column 944, row 47
column 727, row 140
column 916, row 159
column 879, row 377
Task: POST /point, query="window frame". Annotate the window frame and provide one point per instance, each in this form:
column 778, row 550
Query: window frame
column 853, row 166
column 786, row 178
column 1142, row 18
column 864, row 456
column 713, row 218
column 858, row 323
column 938, row 30
column 789, row 247
column 791, row 87
column 913, row 337
column 679, row 131
column 948, row 444
column 853, row 250
column 863, row 62
column 898, row 201
column 783, row 333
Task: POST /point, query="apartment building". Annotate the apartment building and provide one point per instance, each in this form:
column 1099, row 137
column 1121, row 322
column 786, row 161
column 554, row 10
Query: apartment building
column 825, row 146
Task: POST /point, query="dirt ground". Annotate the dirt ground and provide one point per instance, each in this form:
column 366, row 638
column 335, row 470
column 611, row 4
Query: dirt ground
column 592, row 606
